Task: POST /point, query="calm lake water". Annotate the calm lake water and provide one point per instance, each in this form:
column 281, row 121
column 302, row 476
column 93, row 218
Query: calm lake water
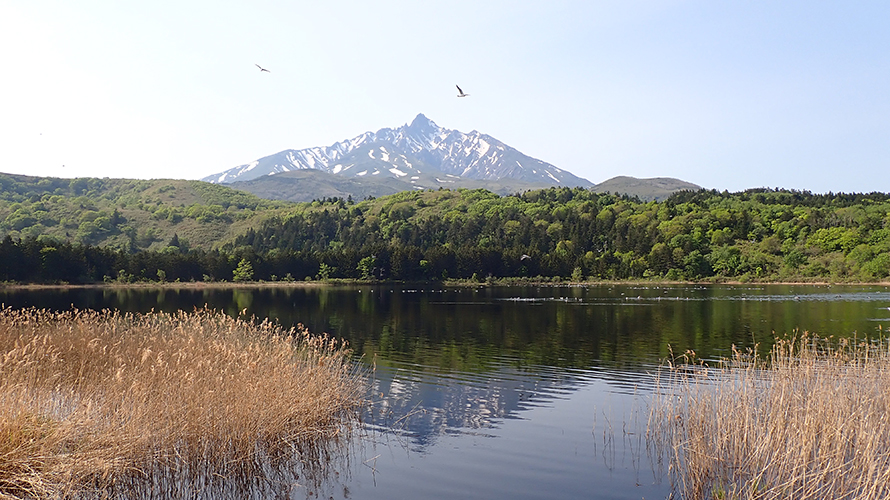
column 512, row 392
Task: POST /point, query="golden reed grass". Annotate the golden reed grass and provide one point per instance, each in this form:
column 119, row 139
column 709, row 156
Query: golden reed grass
column 92, row 399
column 812, row 421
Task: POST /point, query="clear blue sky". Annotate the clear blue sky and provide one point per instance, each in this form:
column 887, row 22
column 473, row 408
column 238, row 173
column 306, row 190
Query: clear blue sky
column 729, row 95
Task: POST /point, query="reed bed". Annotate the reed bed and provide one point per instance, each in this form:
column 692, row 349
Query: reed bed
column 811, row 421
column 110, row 402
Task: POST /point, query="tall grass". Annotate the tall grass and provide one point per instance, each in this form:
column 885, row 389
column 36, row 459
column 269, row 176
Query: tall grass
column 103, row 400
column 812, row 421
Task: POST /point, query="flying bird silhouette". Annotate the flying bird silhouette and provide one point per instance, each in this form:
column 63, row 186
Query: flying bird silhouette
column 461, row 92
column 262, row 68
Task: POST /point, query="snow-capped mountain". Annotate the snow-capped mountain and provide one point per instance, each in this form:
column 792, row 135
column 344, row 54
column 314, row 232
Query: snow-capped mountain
column 420, row 153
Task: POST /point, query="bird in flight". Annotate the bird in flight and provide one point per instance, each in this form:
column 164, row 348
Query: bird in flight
column 461, row 92
column 262, row 69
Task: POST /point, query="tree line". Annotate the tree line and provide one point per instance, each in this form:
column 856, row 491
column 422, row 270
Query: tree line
column 557, row 233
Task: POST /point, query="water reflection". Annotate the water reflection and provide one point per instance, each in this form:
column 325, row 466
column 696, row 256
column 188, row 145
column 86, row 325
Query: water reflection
column 421, row 405
column 569, row 327
column 510, row 433
column 316, row 470
column 513, row 392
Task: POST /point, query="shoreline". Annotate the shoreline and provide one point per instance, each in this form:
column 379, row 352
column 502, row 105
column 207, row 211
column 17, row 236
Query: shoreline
column 199, row 285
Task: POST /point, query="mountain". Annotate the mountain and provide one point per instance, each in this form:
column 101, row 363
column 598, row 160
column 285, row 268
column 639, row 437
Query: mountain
column 655, row 188
column 311, row 184
column 420, row 154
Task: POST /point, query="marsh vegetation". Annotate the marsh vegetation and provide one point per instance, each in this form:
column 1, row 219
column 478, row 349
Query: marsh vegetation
column 809, row 421
column 131, row 405
column 505, row 392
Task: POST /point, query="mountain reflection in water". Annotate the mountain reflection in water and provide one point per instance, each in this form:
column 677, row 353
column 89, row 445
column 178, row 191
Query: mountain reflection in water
column 421, row 405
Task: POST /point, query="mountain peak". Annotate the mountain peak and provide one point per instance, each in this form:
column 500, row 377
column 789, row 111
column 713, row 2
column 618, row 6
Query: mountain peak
column 422, row 124
column 412, row 151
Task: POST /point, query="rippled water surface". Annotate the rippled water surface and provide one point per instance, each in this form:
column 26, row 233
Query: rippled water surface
column 532, row 392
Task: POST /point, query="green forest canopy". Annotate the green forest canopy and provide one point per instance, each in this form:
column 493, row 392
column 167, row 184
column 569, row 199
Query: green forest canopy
column 555, row 233
column 757, row 234
column 126, row 214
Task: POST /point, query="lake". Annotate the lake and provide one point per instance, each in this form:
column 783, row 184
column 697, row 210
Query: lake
column 512, row 392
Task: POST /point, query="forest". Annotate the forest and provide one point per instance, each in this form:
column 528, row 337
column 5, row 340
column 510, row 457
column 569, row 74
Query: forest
column 555, row 234
column 126, row 214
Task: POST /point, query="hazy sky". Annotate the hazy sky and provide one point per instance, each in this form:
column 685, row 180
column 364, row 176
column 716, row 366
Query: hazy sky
column 726, row 94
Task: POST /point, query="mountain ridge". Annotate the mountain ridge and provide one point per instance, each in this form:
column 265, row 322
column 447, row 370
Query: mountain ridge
column 647, row 189
column 410, row 151
column 310, row 185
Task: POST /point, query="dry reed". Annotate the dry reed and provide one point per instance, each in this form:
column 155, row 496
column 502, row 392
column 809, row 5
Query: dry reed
column 810, row 422
column 102, row 400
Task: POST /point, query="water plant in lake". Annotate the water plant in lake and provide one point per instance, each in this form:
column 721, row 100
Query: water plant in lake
column 123, row 403
column 809, row 422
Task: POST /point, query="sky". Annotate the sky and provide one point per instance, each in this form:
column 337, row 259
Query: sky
column 729, row 95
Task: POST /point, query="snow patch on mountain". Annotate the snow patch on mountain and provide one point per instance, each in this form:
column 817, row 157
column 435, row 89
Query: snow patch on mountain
column 421, row 146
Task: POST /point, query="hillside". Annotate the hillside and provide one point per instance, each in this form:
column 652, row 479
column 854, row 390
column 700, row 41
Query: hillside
column 87, row 230
column 309, row 185
column 655, row 188
column 146, row 214
column 127, row 214
column 754, row 235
